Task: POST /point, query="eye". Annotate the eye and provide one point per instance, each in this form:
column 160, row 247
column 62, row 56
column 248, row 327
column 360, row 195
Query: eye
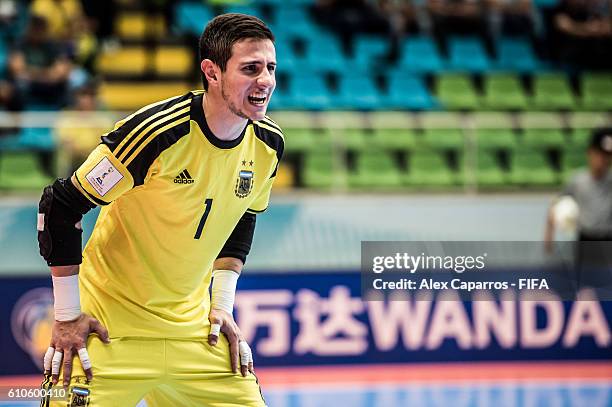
column 271, row 68
column 249, row 68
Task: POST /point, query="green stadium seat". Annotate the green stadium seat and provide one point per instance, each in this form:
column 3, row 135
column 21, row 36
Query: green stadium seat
column 352, row 139
column 21, row 171
column 489, row 173
column 299, row 140
column 443, row 139
column 394, row 139
column 543, row 138
column 531, row 168
column 580, row 139
column 571, row 161
column 428, row 169
column 319, row 169
column 375, row 169
column 456, row 92
column 551, row 91
column 597, row 91
column 504, row 92
column 496, row 139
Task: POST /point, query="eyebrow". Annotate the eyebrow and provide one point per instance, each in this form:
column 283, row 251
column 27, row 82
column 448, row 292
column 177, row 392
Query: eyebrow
column 257, row 63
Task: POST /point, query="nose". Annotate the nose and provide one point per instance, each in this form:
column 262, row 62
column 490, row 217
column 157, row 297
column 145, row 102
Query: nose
column 266, row 78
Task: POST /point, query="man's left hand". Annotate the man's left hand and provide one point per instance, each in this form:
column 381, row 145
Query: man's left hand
column 240, row 352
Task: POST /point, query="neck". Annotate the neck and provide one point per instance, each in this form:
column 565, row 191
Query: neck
column 224, row 124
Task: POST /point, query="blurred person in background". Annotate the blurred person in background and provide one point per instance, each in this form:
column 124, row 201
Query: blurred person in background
column 350, row 17
column 38, row 67
column 512, row 17
column 591, row 189
column 70, row 28
column 78, row 129
column 463, row 17
column 582, row 33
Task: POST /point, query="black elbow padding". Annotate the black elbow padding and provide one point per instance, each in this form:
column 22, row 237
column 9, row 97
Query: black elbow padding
column 238, row 245
column 60, row 211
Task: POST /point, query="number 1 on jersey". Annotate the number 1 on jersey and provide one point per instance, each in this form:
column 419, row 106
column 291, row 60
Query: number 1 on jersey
column 208, row 204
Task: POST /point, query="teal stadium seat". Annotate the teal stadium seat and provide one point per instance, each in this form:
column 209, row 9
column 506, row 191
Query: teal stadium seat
column 191, row 15
column 369, row 51
column 407, row 91
column 516, row 54
column 420, row 54
column 324, row 54
column 310, row 92
column 358, row 92
column 467, row 54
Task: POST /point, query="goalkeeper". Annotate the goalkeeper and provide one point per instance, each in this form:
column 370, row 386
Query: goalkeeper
column 180, row 183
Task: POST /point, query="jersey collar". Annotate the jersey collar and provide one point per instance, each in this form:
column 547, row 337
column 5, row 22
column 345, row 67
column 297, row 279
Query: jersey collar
column 197, row 114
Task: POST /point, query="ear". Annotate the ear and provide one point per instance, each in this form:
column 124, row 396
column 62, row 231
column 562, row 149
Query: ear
column 211, row 71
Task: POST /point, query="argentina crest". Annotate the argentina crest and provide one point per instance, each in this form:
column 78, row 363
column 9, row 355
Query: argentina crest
column 244, row 183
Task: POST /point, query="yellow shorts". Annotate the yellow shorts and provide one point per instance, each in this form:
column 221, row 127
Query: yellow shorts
column 165, row 372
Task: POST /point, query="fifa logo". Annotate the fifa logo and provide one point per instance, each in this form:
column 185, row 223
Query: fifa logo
column 100, row 179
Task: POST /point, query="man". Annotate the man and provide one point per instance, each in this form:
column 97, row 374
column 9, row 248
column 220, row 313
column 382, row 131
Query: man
column 180, row 182
column 591, row 188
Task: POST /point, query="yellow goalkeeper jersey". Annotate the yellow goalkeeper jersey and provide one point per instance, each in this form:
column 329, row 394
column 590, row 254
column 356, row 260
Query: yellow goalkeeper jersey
column 171, row 194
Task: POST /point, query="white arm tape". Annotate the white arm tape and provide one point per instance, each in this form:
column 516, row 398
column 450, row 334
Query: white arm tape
column 224, row 290
column 67, row 298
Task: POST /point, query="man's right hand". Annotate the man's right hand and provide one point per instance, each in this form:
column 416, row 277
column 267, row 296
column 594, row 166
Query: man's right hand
column 67, row 339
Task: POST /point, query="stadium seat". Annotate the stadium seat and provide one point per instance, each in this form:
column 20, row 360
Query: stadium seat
column 408, row 92
column 375, row 169
column 327, row 45
column 496, row 139
column 456, row 92
column 515, row 54
column 132, row 95
column 369, row 51
column 543, row 138
column 531, row 168
column 137, row 26
column 299, row 140
column 596, row 91
column 420, row 54
column 580, row 138
column 319, row 170
column 189, row 16
column 428, row 168
column 310, row 92
column 551, row 91
column 504, row 92
column 294, row 20
column 488, row 170
column 571, row 161
column 467, row 54
column 358, row 92
column 352, row 139
column 394, row 139
column 130, row 60
column 173, row 61
column 21, row 171
column 251, row 9
column 443, row 139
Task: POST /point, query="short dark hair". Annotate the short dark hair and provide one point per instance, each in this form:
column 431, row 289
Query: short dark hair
column 223, row 31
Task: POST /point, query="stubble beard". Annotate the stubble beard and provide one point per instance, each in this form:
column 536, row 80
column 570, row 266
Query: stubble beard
column 230, row 105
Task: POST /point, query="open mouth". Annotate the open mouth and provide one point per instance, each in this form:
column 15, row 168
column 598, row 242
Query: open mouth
column 258, row 99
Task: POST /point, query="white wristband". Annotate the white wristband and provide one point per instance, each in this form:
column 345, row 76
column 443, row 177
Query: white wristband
column 224, row 290
column 67, row 298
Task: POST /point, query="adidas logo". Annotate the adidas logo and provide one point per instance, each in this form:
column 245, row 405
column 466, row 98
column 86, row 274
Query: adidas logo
column 184, row 178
